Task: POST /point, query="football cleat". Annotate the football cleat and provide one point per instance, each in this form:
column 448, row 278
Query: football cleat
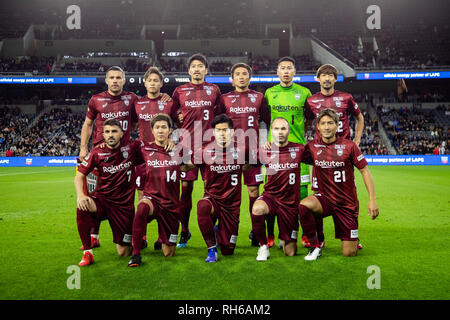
column 94, row 242
column 184, row 237
column 270, row 241
column 212, row 255
column 313, row 254
column 135, row 261
column 263, row 253
column 88, row 258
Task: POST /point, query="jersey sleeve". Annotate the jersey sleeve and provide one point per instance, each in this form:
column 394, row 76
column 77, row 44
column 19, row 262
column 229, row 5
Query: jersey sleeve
column 308, row 111
column 264, row 112
column 92, row 111
column 134, row 117
column 353, row 107
column 221, row 105
column 88, row 163
column 357, row 157
column 137, row 148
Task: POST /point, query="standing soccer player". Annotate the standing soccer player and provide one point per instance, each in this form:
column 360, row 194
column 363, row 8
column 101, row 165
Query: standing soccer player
column 161, row 191
column 111, row 104
column 146, row 108
column 287, row 100
column 196, row 102
column 333, row 158
column 345, row 106
column 281, row 194
column 222, row 162
column 246, row 108
column 114, row 198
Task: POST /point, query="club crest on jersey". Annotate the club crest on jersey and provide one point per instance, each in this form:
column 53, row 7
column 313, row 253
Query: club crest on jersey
column 297, row 96
column 127, row 102
column 293, row 154
column 235, row 154
column 340, row 152
column 125, row 154
column 338, row 104
column 252, row 98
column 160, row 105
column 208, row 92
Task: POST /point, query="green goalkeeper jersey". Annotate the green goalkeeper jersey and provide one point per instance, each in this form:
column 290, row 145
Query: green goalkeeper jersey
column 289, row 103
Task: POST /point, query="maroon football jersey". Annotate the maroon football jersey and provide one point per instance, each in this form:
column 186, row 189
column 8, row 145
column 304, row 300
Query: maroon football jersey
column 163, row 176
column 197, row 104
column 333, row 164
column 146, row 108
column 283, row 172
column 222, row 173
column 341, row 102
column 104, row 106
column 246, row 109
column 116, row 171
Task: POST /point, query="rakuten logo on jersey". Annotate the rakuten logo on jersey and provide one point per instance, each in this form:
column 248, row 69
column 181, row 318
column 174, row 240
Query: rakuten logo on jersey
column 146, row 116
column 118, row 114
column 198, row 104
column 161, row 163
column 329, row 164
column 120, row 167
column 226, row 168
column 283, row 166
column 239, row 110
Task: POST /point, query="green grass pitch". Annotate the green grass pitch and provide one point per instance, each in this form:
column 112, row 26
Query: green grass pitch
column 408, row 242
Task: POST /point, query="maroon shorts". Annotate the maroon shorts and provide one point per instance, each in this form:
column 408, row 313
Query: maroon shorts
column 287, row 218
column 253, row 177
column 228, row 226
column 140, row 176
column 168, row 223
column 120, row 219
column 345, row 219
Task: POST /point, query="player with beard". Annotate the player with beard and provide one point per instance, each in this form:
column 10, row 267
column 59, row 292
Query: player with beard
column 196, row 102
column 114, row 198
column 334, row 158
column 113, row 103
column 345, row 106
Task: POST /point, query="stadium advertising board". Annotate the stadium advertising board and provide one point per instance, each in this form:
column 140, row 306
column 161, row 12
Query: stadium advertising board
column 399, row 160
column 403, row 75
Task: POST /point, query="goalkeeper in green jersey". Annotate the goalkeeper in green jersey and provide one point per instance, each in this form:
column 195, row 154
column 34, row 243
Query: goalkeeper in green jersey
column 287, row 99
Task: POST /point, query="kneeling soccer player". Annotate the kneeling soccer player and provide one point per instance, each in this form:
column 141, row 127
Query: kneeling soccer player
column 281, row 194
column 222, row 162
column 333, row 158
column 114, row 199
column 160, row 200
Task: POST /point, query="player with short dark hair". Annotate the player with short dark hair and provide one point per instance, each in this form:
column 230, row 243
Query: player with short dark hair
column 246, row 108
column 287, row 99
column 334, row 158
column 196, row 102
column 113, row 103
column 281, row 195
column 114, row 198
column 344, row 105
column 161, row 191
column 221, row 162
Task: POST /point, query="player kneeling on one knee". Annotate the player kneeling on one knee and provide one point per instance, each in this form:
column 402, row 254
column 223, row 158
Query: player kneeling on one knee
column 334, row 159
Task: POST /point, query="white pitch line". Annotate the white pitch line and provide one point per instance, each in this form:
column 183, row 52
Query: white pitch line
column 32, row 172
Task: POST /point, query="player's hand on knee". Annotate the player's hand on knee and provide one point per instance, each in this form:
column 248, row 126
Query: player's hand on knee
column 84, row 202
column 373, row 209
